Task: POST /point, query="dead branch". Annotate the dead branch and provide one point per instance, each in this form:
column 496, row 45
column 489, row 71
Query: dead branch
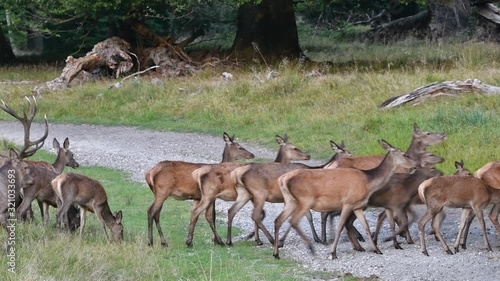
column 446, row 88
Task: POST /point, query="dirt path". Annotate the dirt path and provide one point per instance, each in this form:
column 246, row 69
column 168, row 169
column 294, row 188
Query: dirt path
column 135, row 151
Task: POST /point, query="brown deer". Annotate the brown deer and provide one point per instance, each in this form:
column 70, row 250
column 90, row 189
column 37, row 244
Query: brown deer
column 173, row 178
column 325, row 190
column 215, row 182
column 14, row 175
column 418, row 147
column 399, row 193
column 42, row 172
column 490, row 175
column 259, row 183
column 409, row 189
column 455, row 191
column 90, row 195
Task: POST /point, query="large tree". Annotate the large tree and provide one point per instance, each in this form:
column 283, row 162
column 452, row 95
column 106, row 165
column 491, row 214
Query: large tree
column 268, row 28
column 6, row 54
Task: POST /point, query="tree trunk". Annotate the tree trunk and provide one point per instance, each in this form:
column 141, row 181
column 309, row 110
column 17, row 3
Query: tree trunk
column 448, row 17
column 6, row 54
column 268, row 29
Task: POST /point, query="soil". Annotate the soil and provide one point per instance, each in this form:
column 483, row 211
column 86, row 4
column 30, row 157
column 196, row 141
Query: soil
column 135, row 151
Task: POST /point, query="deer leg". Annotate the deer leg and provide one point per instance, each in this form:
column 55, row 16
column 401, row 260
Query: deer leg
column 406, row 221
column 200, row 207
column 294, row 222
column 311, row 225
column 436, row 225
column 463, row 226
column 380, row 220
column 257, row 218
column 278, row 222
column 463, row 238
column 480, row 217
column 352, row 233
column 495, row 210
column 29, row 196
column 241, row 200
column 154, row 213
column 324, row 220
column 362, row 219
column 82, row 220
column 421, row 229
column 344, row 215
column 392, row 225
column 45, row 213
column 210, row 217
column 63, row 209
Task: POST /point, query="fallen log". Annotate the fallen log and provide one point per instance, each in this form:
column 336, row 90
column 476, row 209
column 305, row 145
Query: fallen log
column 446, row 88
column 112, row 53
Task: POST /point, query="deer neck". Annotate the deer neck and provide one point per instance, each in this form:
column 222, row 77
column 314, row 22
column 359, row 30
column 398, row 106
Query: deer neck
column 106, row 214
column 378, row 177
column 281, row 158
column 415, row 149
column 59, row 164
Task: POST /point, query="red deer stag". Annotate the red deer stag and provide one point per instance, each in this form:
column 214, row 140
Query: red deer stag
column 173, row 178
column 259, row 183
column 215, row 182
column 90, row 195
column 326, row 190
column 42, row 172
column 14, row 175
column 455, row 191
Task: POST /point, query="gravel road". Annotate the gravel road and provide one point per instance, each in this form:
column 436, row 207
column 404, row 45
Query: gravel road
column 135, row 151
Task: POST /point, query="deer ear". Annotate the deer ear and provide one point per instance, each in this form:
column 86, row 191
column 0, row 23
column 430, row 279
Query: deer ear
column 459, row 165
column 385, row 145
column 55, row 144
column 280, row 140
column 227, row 138
column 416, row 129
column 66, row 143
column 337, row 148
column 119, row 217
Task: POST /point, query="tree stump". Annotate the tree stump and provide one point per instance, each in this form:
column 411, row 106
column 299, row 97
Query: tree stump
column 112, row 54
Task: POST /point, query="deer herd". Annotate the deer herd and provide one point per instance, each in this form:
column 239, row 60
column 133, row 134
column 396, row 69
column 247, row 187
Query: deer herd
column 343, row 187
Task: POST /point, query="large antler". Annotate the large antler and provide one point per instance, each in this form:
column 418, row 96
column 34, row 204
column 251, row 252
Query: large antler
column 30, row 147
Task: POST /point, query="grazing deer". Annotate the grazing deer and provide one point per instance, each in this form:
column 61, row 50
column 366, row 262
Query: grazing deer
column 259, row 183
column 215, row 181
column 173, row 178
column 42, row 172
column 325, row 190
column 14, row 175
column 90, row 195
column 455, row 191
column 490, row 175
column 416, row 150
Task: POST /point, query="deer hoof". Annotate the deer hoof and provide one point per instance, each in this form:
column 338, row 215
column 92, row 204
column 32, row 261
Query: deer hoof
column 449, row 252
column 425, row 253
column 276, row 256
